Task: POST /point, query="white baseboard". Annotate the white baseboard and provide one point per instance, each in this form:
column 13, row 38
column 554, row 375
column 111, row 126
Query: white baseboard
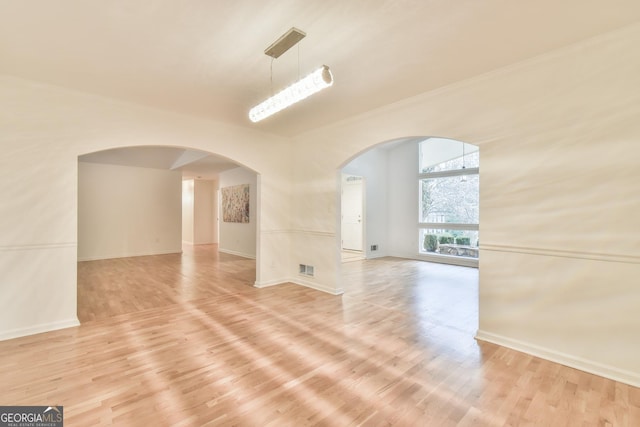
column 241, row 254
column 268, row 283
column 131, row 255
column 375, row 255
column 38, row 329
column 300, row 282
column 606, row 371
column 317, row 286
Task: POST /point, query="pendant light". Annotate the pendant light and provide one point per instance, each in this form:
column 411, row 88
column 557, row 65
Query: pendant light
column 316, row 81
column 463, row 178
column 303, row 88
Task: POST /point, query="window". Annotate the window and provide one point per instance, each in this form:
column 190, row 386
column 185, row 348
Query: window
column 449, row 199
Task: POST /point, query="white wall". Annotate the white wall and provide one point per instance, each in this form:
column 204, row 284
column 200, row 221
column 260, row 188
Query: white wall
column 403, row 200
column 43, row 131
column 187, row 210
column 128, row 211
column 199, row 215
column 558, row 138
column 372, row 165
column 204, row 213
column 392, row 210
column 239, row 238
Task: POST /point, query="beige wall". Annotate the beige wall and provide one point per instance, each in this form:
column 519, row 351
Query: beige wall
column 199, row 218
column 127, row 211
column 43, row 131
column 204, row 215
column 559, row 137
column 239, row 238
column 188, row 196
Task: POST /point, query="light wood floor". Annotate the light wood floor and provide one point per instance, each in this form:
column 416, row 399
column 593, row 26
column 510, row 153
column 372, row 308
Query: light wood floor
column 187, row 341
column 124, row 285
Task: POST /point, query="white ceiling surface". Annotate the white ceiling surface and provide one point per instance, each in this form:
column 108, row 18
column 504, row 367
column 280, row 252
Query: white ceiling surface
column 192, row 163
column 205, row 57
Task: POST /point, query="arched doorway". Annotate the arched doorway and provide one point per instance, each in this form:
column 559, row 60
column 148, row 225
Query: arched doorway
column 421, row 201
column 403, row 207
column 132, row 221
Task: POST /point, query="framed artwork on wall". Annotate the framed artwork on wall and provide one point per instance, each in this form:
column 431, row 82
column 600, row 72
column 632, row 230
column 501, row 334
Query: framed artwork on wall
column 235, row 203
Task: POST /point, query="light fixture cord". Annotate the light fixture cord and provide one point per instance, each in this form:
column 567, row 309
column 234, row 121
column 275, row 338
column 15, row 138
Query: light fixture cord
column 271, row 69
column 298, row 61
column 463, row 156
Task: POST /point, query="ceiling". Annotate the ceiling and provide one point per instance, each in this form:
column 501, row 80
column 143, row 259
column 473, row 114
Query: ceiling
column 193, row 164
column 205, row 57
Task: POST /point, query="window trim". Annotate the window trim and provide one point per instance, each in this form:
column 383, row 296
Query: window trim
column 448, row 226
column 449, row 173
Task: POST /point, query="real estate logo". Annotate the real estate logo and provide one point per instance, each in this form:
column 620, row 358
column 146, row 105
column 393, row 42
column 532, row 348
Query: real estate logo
column 31, row 416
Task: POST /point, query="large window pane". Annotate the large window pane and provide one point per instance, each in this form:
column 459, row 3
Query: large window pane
column 438, row 155
column 460, row 243
column 450, row 200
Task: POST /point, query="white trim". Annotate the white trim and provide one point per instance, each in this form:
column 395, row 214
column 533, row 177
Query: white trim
column 606, row 371
column 623, row 258
column 240, row 254
column 300, row 231
column 269, row 283
column 97, row 258
column 448, row 226
column 300, row 282
column 38, row 329
column 448, row 259
column 37, row 247
column 317, row 286
column 275, row 231
column 317, row 233
column 449, row 173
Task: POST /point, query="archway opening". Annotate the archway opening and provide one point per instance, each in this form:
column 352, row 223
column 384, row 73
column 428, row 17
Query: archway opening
column 421, row 230
column 421, row 199
column 139, row 247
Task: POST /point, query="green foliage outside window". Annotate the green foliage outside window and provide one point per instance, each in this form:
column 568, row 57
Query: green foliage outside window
column 463, row 241
column 445, row 240
column 430, row 242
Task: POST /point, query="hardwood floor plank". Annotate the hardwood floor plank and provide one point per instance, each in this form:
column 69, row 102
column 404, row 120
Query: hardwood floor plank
column 187, row 340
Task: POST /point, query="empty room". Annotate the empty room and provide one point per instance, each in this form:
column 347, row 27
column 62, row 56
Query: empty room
column 320, row 213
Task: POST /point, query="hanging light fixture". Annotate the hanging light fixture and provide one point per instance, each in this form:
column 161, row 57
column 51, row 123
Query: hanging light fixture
column 303, row 88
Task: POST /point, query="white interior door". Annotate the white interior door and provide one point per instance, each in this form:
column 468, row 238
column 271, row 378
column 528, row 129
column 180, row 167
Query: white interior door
column 352, row 213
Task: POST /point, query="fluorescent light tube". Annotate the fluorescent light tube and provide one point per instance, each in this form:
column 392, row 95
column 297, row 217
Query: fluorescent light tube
column 314, row 82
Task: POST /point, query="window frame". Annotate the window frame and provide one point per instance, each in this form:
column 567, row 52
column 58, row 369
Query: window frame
column 443, row 258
